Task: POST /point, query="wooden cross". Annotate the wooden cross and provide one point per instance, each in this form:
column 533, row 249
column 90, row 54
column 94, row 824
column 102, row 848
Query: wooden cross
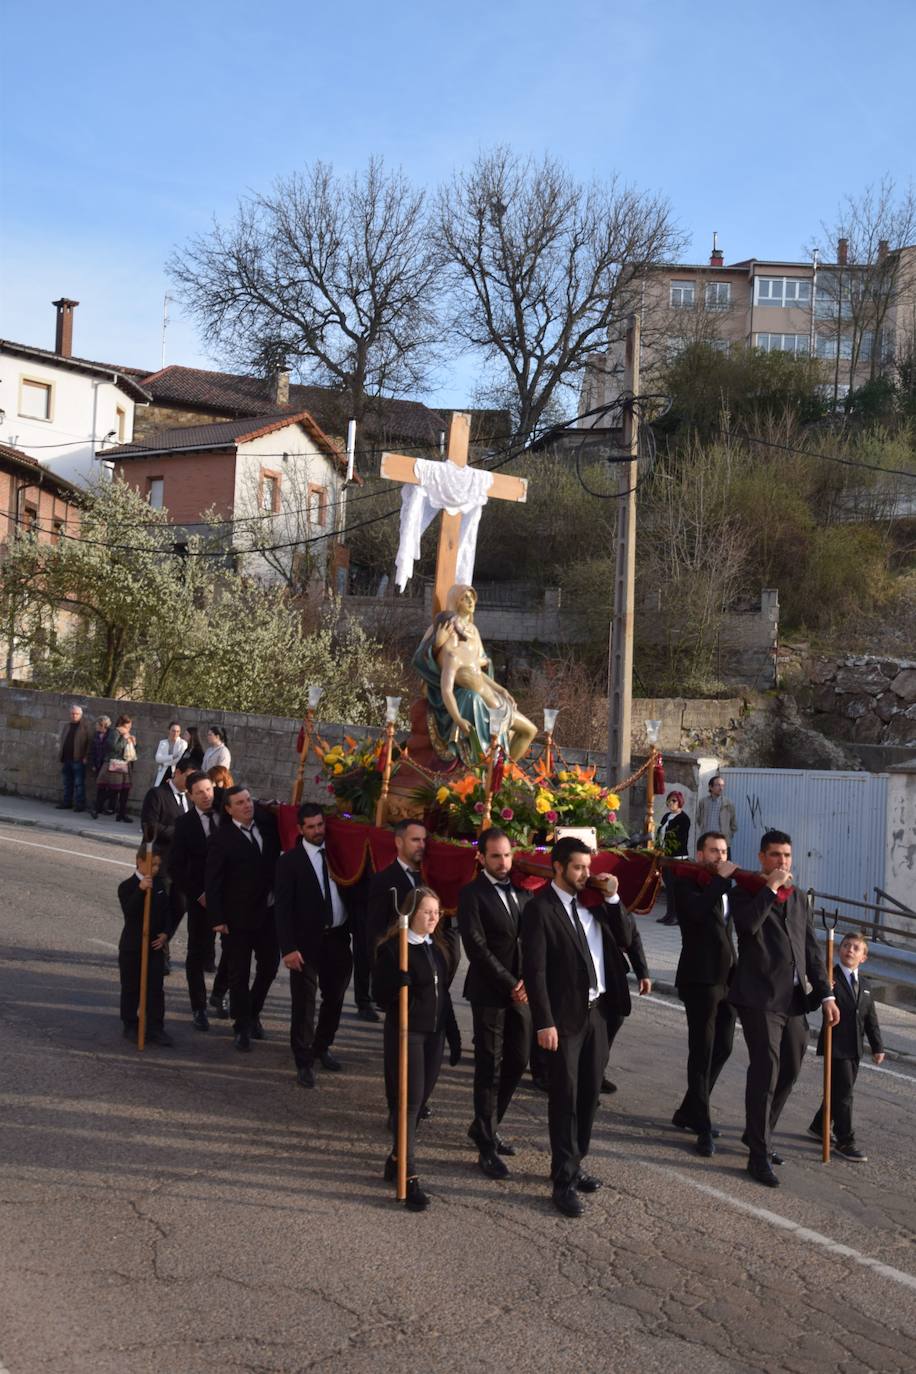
column 399, row 468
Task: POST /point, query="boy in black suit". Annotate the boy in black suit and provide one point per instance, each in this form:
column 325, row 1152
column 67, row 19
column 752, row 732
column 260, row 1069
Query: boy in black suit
column 489, row 919
column 858, row 1021
column 132, row 896
column 575, row 976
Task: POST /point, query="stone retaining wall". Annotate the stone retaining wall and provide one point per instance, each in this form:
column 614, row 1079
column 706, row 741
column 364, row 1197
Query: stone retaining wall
column 864, row 699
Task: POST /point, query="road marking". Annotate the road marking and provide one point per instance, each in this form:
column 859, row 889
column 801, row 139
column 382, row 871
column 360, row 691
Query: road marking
column 873, row 1068
column 803, row 1232
column 107, row 945
column 57, row 849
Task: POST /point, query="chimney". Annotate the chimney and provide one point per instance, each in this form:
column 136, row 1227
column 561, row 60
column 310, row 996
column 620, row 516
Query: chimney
column 280, row 387
column 883, row 246
column 716, row 257
column 842, row 252
column 63, row 335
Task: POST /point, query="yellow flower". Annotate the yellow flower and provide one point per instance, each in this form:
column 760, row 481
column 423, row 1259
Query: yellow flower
column 612, row 801
column 338, row 768
column 543, row 803
column 442, row 795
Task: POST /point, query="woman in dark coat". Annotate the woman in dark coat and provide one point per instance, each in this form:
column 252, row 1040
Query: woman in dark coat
column 674, row 823
column 117, row 768
column 432, row 957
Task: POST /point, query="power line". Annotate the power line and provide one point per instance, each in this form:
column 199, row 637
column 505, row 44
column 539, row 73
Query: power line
column 825, row 457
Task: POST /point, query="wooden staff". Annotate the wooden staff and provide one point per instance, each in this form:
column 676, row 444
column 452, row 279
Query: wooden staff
column 650, row 796
column 402, row 1059
column 829, row 926
column 146, row 868
column 488, row 794
column 308, row 726
column 382, row 804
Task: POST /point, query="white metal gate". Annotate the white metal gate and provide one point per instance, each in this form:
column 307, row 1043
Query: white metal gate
column 837, row 822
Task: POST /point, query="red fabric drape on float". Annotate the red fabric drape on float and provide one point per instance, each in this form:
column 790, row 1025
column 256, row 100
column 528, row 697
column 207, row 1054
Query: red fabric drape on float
column 354, row 848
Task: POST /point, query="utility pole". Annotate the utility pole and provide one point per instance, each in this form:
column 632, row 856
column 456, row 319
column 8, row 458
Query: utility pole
column 620, row 651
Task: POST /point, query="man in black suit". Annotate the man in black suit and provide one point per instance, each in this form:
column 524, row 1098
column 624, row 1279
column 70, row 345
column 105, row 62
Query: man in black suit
column 576, row 979
column 403, row 875
column 240, row 866
column 188, row 868
column 704, row 972
column 778, row 955
column 858, row 1020
column 489, row 919
column 314, row 935
column 162, row 806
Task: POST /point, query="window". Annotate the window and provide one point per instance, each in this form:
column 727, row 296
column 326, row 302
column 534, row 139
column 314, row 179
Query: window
column 29, row 521
column 155, row 492
column 782, row 343
column 269, row 493
column 833, row 297
column 827, row 346
column 121, row 424
column 784, row 292
column 720, row 345
column 57, row 529
column 318, row 506
column 718, row 295
column 35, row 399
column 681, row 294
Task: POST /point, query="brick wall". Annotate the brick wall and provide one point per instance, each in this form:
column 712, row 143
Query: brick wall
column 192, row 482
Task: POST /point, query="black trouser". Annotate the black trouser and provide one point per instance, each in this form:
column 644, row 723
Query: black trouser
column 201, row 953
column 424, row 1060
column 776, row 1043
column 129, row 969
column 177, row 902
column 329, row 974
column 843, row 1075
column 575, row 1071
column 710, row 1036
column 501, row 1039
column 245, row 1004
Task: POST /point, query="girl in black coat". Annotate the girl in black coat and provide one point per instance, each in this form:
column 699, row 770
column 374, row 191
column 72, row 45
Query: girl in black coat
column 432, row 957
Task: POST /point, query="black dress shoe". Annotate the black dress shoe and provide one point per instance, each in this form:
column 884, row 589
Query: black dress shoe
column 243, row 1041
column 588, row 1183
column 454, row 1053
column 160, row 1037
column 684, row 1125
column 491, row 1165
column 367, row 1013
column 774, row 1157
column 705, row 1144
column 79, row 808
column 852, row 1153
column 305, row 1076
column 566, row 1200
column 503, row 1147
column 426, row 1112
column 666, row 921
column 761, row 1172
column 256, row 1030
column 330, row 1063
column 391, row 1169
column 220, row 1008
column 93, row 814
column 417, row 1200
column 201, row 1020
column 607, row 1086
column 64, row 806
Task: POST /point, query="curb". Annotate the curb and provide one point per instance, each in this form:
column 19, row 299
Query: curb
column 125, row 841
column 904, row 1056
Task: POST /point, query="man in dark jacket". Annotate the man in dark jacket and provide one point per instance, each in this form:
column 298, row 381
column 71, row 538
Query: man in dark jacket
column 314, row 935
column 241, row 863
column 778, row 956
column 188, row 871
column 132, row 896
column 162, row 808
column 73, row 750
column 575, row 976
column 489, row 919
column 704, row 972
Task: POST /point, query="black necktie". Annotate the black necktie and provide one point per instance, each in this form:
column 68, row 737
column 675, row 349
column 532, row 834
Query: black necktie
column 326, row 884
column 208, row 824
column 511, row 899
column 251, row 836
column 854, row 984
column 583, row 945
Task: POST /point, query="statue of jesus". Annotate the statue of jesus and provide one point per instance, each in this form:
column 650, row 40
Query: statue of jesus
column 465, row 705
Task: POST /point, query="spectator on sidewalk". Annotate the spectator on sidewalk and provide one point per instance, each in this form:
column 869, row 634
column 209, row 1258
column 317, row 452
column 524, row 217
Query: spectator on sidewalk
column 73, row 753
column 117, row 769
column 168, row 752
column 195, row 750
column 97, row 745
column 217, row 750
column 671, row 838
column 716, row 813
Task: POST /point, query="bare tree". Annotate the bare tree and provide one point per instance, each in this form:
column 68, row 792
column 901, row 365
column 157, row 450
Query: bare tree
column 544, row 269
column 336, row 278
column 857, row 297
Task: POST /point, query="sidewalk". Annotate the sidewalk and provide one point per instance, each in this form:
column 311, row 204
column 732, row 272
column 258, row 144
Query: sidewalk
column 661, row 943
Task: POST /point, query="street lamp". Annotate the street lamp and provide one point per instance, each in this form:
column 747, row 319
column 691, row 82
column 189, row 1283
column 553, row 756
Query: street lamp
column 550, row 720
column 392, row 706
column 308, row 726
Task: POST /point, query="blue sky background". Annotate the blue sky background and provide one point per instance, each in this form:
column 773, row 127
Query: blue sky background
column 125, row 128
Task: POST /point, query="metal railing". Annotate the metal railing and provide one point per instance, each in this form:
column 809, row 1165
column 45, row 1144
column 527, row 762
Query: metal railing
column 873, row 925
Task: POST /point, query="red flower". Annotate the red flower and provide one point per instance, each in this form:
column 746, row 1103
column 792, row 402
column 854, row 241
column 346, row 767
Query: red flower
column 552, row 817
column 507, row 813
column 612, row 816
column 479, row 808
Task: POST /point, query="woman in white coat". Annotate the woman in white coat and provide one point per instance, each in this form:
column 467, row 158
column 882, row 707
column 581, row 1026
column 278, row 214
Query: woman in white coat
column 168, row 752
column 217, row 750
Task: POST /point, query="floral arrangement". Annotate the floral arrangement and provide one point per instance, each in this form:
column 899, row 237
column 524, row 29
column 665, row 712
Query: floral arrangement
column 354, row 773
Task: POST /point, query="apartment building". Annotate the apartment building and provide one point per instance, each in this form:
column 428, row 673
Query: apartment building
column 856, row 319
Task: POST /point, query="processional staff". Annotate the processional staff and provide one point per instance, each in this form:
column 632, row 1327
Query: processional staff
column 829, row 926
column 146, row 868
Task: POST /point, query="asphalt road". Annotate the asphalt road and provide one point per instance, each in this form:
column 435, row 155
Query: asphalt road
column 193, row 1210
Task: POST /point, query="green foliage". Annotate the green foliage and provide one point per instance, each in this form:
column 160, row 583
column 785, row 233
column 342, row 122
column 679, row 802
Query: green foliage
column 744, row 384
column 144, row 625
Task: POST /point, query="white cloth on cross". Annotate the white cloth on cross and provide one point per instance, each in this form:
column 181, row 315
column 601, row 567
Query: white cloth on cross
column 441, row 487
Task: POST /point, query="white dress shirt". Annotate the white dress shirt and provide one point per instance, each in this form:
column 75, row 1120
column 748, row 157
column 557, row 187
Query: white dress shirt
column 496, row 883
column 592, row 935
column 208, row 819
column 180, row 797
column 338, row 910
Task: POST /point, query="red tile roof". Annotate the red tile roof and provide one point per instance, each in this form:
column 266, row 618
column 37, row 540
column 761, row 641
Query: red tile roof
column 387, row 418
column 20, row 460
column 127, row 378
column 225, row 434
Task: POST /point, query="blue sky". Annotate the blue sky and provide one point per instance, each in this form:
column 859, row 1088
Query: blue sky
column 126, row 128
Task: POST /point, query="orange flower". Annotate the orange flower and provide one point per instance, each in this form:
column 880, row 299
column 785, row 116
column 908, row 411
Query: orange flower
column 465, row 786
